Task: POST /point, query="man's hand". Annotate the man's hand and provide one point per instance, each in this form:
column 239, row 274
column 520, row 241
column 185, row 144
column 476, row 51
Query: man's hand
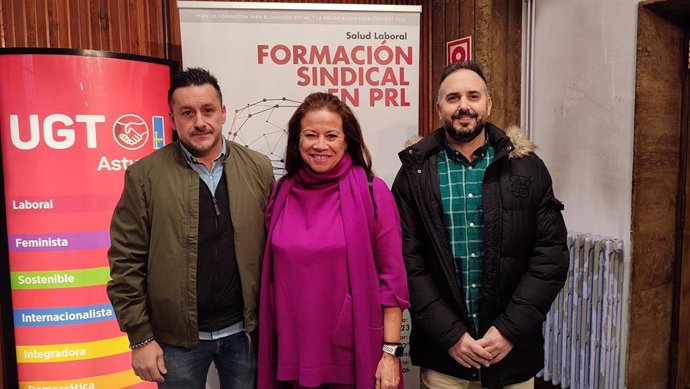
column 388, row 372
column 148, row 364
column 469, row 353
column 496, row 344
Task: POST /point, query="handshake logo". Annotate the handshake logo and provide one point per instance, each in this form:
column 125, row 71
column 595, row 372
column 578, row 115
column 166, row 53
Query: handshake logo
column 131, row 132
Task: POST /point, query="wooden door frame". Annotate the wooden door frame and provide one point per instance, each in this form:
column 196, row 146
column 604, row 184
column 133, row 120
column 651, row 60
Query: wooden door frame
column 680, row 330
column 679, row 366
column 659, row 220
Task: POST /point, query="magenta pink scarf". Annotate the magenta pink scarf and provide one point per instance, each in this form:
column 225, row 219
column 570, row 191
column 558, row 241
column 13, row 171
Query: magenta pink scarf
column 358, row 220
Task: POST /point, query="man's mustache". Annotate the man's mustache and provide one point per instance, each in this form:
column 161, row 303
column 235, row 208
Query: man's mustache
column 464, row 112
column 199, row 131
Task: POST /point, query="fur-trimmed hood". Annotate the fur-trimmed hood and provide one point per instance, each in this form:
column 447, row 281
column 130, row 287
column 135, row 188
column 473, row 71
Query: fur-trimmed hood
column 518, row 137
column 513, row 141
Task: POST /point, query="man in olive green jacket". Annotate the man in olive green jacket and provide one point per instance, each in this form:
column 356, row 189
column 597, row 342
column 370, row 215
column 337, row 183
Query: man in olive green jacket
column 187, row 237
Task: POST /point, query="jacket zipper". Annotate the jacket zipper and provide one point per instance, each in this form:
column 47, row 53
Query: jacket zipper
column 215, row 256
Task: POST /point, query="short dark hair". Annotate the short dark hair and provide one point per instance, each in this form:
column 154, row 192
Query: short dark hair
column 468, row 65
column 465, row 65
column 193, row 77
column 353, row 132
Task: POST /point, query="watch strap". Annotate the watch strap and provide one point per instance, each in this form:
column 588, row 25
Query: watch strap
column 393, row 349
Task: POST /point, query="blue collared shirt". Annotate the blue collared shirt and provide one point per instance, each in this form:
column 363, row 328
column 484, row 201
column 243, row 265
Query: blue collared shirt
column 212, row 177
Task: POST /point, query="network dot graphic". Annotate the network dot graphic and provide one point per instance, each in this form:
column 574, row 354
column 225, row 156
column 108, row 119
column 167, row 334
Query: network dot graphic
column 262, row 126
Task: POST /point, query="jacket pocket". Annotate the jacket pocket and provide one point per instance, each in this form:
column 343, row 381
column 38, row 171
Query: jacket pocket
column 343, row 335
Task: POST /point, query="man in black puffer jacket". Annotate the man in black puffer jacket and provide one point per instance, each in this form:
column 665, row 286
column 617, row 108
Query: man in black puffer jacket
column 484, row 244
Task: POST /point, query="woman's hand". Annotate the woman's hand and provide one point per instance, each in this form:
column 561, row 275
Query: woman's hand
column 388, row 372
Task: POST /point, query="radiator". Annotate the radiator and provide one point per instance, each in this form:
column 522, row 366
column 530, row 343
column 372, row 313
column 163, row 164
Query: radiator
column 582, row 331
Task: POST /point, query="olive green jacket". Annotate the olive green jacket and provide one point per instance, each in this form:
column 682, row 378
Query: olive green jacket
column 154, row 242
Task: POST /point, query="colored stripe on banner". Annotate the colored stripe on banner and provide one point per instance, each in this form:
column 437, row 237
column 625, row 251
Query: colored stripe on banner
column 63, row 316
column 69, row 370
column 26, row 336
column 116, row 380
column 60, row 278
column 61, row 223
column 51, row 298
column 30, row 205
column 71, row 351
column 40, row 260
column 59, row 241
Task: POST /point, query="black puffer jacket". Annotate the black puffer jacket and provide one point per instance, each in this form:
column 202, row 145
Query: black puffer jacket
column 525, row 258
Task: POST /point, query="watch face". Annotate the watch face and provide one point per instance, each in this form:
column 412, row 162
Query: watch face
column 399, row 351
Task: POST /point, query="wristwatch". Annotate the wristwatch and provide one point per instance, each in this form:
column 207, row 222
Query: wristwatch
column 395, row 349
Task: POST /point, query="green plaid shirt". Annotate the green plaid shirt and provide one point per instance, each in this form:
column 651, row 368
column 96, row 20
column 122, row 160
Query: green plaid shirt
column 461, row 195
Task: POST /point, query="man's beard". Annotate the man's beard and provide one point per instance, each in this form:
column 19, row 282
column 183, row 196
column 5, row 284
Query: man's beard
column 463, row 136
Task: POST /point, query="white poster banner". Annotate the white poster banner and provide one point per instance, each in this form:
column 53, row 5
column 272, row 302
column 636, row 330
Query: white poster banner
column 269, row 56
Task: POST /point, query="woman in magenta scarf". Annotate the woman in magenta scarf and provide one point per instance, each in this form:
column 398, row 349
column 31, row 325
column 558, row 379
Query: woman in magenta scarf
column 333, row 286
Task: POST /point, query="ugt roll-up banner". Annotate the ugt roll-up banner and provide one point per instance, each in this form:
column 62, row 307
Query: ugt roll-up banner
column 71, row 122
column 269, row 56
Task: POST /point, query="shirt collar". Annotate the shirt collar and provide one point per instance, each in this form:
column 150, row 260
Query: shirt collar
column 478, row 154
column 191, row 159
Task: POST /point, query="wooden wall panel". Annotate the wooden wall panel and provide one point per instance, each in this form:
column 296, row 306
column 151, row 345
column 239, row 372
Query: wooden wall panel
column 126, row 26
column 16, row 23
column 2, row 25
column 56, row 17
column 656, row 168
column 115, row 27
column 513, row 63
column 437, row 54
column 426, row 99
column 496, row 30
column 680, row 356
column 94, row 23
column 71, row 24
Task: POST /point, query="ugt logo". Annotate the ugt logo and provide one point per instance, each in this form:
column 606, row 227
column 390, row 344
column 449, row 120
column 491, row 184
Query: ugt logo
column 131, row 132
column 61, row 131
